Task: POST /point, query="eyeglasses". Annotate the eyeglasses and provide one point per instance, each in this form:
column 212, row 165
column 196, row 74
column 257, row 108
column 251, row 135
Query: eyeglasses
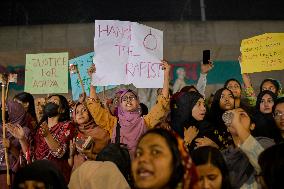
column 128, row 98
column 277, row 115
column 233, row 87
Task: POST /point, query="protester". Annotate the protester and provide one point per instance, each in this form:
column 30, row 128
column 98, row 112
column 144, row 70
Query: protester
column 15, row 117
column 161, row 161
column 278, row 110
column 235, row 86
column 241, row 157
column 130, row 125
column 187, row 119
column 89, row 134
column 223, row 100
column 211, row 168
column 27, row 100
column 97, row 175
column 264, row 120
column 52, row 138
column 271, row 162
column 41, row 174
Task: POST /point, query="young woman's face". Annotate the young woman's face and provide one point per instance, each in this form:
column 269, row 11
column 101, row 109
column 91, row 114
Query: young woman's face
column 266, row 104
column 129, row 102
column 227, row 101
column 152, row 165
column 268, row 85
column 199, row 110
column 235, row 88
column 82, row 114
column 279, row 116
column 209, row 176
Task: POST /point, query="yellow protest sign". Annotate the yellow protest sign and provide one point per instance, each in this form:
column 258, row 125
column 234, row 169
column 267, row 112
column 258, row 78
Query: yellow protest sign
column 263, row 53
column 46, row 73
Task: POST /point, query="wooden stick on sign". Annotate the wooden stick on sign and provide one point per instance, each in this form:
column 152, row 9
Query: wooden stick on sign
column 4, row 81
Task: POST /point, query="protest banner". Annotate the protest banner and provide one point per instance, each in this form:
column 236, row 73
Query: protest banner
column 83, row 63
column 128, row 52
column 46, row 73
column 263, row 53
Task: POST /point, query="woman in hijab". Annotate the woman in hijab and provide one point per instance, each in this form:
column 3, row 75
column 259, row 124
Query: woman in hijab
column 187, row 119
column 90, row 138
column 130, row 125
column 264, row 120
column 15, row 117
column 162, row 161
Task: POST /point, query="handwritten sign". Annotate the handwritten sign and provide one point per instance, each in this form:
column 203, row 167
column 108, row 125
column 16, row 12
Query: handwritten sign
column 128, row 52
column 263, row 53
column 83, row 63
column 46, row 73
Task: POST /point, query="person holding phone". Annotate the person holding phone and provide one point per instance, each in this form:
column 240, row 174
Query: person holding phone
column 205, row 66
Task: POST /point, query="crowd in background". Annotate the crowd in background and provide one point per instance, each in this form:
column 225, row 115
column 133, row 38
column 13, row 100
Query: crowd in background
column 232, row 139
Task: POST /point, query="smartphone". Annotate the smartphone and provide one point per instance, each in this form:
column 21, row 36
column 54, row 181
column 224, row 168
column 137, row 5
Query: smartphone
column 206, row 56
column 83, row 143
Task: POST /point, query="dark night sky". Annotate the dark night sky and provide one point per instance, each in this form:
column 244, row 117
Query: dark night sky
column 30, row 12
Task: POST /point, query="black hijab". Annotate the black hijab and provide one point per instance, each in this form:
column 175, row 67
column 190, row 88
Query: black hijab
column 182, row 104
column 265, row 124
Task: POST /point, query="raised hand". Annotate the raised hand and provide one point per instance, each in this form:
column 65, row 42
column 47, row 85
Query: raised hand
column 91, row 70
column 205, row 68
column 166, row 67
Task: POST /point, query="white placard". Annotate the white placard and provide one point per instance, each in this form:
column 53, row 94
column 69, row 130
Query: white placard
column 128, row 52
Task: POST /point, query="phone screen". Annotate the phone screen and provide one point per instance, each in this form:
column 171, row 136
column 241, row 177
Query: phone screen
column 206, row 56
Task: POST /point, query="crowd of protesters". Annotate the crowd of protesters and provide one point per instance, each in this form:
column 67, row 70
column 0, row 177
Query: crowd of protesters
column 233, row 139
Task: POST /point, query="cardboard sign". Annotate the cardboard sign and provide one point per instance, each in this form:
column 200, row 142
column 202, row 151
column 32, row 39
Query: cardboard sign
column 46, row 73
column 263, row 53
column 128, row 52
column 83, row 63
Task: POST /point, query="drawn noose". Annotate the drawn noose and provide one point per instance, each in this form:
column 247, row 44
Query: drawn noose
column 150, row 41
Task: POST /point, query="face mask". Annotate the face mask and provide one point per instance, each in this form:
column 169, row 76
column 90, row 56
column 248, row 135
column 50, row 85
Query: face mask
column 51, row 109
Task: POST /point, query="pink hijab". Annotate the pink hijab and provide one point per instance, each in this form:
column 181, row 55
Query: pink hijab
column 132, row 126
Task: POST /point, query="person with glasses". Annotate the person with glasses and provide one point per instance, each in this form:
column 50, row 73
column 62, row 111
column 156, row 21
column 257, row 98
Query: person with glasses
column 234, row 86
column 278, row 110
column 129, row 124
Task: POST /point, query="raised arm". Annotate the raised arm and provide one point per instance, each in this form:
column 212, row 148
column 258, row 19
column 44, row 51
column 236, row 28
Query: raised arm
column 202, row 81
column 162, row 107
column 248, row 89
column 101, row 115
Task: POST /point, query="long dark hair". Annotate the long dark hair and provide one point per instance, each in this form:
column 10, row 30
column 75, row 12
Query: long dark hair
column 210, row 155
column 172, row 143
column 271, row 162
column 274, row 82
column 27, row 98
column 215, row 114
